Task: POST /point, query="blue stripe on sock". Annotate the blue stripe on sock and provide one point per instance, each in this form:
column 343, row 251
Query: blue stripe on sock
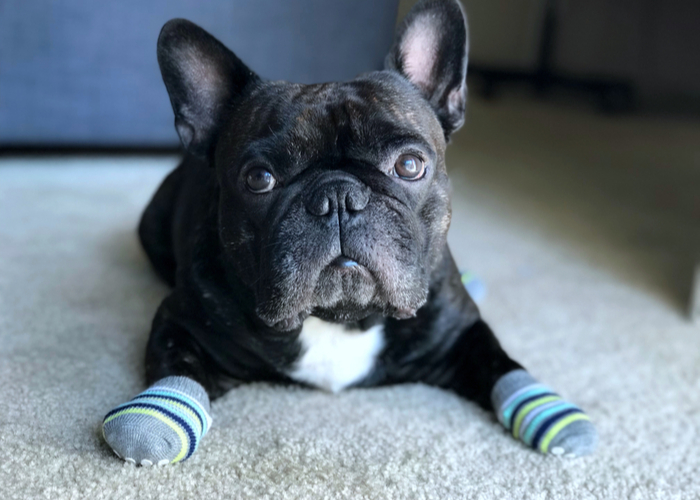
column 535, row 424
column 508, row 412
column 532, row 414
column 522, row 403
column 177, row 411
column 521, row 391
column 182, row 397
column 148, row 394
column 543, row 429
column 169, row 414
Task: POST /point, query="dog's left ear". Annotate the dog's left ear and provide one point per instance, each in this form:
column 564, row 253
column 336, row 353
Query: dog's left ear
column 430, row 50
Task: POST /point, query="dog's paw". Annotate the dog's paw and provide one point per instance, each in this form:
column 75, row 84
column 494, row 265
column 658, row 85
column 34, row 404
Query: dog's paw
column 540, row 418
column 141, row 442
column 162, row 425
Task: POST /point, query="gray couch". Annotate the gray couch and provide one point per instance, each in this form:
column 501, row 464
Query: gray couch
column 84, row 72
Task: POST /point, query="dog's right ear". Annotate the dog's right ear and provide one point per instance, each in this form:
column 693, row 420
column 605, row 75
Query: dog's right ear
column 431, row 51
column 203, row 79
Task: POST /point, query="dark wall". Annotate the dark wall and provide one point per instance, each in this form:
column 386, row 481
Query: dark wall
column 656, row 43
column 84, row 72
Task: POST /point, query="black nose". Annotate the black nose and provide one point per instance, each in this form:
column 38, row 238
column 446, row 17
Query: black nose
column 337, row 195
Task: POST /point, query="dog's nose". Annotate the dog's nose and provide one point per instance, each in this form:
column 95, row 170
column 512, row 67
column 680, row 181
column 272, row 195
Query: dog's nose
column 337, row 195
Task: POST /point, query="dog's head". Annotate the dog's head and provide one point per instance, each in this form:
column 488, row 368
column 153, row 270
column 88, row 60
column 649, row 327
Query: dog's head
column 333, row 198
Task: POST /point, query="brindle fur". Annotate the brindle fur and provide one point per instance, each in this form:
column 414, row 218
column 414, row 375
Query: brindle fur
column 247, row 269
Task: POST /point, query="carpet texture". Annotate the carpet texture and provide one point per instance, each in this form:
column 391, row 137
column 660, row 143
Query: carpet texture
column 586, row 251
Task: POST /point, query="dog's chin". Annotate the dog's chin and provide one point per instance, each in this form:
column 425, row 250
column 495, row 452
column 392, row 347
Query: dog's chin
column 341, row 294
column 345, row 286
column 343, row 313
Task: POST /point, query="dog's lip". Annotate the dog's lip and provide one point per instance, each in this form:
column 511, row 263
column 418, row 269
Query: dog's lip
column 347, row 266
column 285, row 324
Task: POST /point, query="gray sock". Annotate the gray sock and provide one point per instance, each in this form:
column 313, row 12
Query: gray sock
column 540, row 418
column 162, row 425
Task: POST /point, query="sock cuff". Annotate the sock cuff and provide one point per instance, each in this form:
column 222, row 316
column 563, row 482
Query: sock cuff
column 510, row 386
column 187, row 386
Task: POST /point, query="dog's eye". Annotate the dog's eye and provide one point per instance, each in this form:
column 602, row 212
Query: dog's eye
column 409, row 167
column 260, row 180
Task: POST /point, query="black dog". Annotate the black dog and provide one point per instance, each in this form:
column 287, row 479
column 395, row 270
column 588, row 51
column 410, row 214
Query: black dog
column 304, row 234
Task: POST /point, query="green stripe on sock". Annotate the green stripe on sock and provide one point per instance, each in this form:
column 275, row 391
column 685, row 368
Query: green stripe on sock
column 540, row 418
column 176, row 407
column 523, row 412
column 508, row 412
column 559, row 426
column 163, row 424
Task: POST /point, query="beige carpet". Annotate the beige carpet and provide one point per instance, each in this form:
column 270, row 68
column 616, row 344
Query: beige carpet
column 585, row 230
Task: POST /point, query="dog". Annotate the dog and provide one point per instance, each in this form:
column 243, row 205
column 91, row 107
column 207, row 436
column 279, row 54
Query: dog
column 304, row 233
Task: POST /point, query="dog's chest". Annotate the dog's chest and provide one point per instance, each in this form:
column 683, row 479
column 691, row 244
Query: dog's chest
column 333, row 357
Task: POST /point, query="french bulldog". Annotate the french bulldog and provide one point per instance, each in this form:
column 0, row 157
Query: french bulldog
column 304, row 233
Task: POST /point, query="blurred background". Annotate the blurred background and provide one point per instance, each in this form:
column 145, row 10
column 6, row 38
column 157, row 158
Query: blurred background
column 76, row 73
column 584, row 117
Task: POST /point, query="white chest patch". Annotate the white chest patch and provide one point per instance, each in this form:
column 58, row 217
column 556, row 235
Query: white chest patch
column 333, row 357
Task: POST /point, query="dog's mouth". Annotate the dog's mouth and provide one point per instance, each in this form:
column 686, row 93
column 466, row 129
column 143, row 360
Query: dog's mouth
column 345, row 290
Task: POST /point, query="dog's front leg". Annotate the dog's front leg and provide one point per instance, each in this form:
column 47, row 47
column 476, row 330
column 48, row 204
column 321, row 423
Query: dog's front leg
column 165, row 423
column 477, row 368
column 450, row 346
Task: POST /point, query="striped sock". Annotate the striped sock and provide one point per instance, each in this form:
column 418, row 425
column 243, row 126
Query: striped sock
column 162, row 425
column 540, row 418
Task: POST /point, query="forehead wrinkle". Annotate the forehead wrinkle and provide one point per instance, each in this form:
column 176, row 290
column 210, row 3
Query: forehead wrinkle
column 360, row 118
